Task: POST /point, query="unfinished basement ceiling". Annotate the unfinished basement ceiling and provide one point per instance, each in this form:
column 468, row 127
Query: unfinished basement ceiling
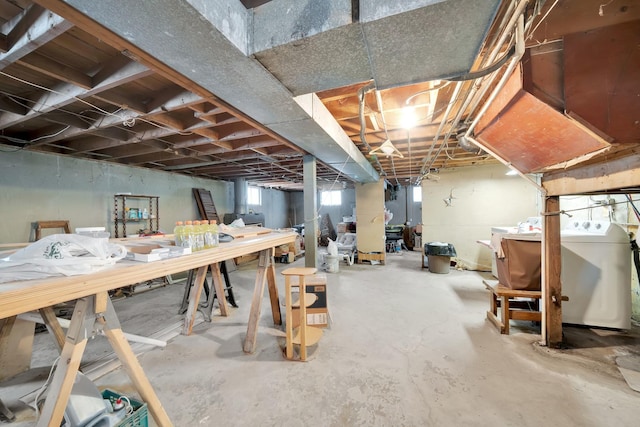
column 216, row 103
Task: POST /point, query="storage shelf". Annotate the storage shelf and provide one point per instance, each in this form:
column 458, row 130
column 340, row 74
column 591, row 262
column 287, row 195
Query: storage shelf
column 313, row 335
column 139, row 202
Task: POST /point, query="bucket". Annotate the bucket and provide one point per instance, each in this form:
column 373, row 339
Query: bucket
column 333, row 263
column 439, row 264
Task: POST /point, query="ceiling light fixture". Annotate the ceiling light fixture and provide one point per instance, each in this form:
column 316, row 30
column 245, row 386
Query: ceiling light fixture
column 408, row 118
column 388, row 149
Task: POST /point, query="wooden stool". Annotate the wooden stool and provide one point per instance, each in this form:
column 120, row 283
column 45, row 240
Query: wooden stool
column 303, row 335
column 516, row 310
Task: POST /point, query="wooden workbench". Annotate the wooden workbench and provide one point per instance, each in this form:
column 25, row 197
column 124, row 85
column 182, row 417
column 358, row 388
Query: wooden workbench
column 95, row 308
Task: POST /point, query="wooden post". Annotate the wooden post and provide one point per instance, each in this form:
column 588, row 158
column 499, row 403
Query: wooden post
column 551, row 269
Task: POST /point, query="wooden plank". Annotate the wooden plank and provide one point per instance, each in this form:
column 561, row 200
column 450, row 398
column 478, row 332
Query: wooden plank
column 53, row 326
column 101, row 302
column 194, row 300
column 612, row 173
column 132, row 366
column 21, row 297
column 256, row 302
column 534, row 316
column 56, row 70
column 273, row 291
column 551, row 269
column 219, row 286
column 24, row 39
column 289, row 318
column 64, row 376
column 496, row 322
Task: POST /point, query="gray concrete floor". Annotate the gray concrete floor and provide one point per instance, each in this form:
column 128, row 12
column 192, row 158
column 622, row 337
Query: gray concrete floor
column 406, row 347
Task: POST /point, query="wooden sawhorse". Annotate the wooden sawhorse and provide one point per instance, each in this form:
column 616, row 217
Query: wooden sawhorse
column 517, row 310
column 95, row 312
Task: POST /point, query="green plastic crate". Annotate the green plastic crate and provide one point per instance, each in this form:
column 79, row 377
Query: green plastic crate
column 140, row 415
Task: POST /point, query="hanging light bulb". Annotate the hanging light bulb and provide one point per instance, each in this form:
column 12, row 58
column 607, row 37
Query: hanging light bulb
column 408, row 118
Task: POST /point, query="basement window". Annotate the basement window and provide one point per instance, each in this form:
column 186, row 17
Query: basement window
column 417, row 194
column 254, row 196
column 331, row 198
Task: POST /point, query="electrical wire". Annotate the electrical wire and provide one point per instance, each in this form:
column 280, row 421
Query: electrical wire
column 127, row 121
column 542, row 19
column 45, row 385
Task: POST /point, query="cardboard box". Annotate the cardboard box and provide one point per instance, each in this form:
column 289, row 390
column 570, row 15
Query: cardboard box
column 318, row 312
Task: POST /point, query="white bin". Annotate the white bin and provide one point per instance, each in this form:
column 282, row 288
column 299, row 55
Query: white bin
column 333, row 263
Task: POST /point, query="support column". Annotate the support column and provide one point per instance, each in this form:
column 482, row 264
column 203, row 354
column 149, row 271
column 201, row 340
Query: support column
column 310, row 212
column 551, row 269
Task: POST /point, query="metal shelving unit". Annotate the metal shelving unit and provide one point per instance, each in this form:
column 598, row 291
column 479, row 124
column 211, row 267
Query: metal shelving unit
column 126, row 204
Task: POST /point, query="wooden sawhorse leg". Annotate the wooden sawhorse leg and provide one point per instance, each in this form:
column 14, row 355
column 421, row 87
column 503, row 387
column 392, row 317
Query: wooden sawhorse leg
column 89, row 312
column 6, row 325
column 266, row 273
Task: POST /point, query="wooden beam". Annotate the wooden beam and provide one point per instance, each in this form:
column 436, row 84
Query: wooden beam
column 122, row 101
column 9, row 105
column 4, row 43
column 551, row 269
column 622, row 171
column 65, row 94
column 46, row 66
column 105, row 125
column 43, row 26
column 109, row 37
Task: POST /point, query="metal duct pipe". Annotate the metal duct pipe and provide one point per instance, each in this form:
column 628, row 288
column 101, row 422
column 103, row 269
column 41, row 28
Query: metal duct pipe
column 473, row 90
column 469, row 146
column 363, row 124
column 240, row 187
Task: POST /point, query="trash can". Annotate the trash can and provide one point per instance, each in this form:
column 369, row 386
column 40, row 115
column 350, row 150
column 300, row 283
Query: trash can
column 333, row 263
column 439, row 256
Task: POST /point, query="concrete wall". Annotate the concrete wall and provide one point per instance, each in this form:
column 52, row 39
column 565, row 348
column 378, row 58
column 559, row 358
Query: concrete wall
column 481, row 197
column 37, row 186
column 275, row 207
column 336, row 213
column 403, row 208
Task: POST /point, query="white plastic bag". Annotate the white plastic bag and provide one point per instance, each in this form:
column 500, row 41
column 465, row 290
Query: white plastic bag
column 60, row 254
column 237, row 223
column 332, row 248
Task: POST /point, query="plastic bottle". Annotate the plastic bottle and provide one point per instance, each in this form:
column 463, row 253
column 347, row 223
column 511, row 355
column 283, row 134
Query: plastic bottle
column 189, row 236
column 213, row 226
column 145, row 214
column 178, row 233
column 199, row 235
column 208, row 237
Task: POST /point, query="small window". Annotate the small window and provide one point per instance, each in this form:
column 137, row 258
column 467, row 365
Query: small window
column 417, row 194
column 331, row 198
column 254, row 196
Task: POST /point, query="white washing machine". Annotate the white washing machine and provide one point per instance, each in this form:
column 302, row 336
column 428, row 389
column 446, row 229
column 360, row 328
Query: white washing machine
column 596, row 274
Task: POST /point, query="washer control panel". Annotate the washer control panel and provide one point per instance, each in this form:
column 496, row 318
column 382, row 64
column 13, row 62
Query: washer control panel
column 587, row 226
